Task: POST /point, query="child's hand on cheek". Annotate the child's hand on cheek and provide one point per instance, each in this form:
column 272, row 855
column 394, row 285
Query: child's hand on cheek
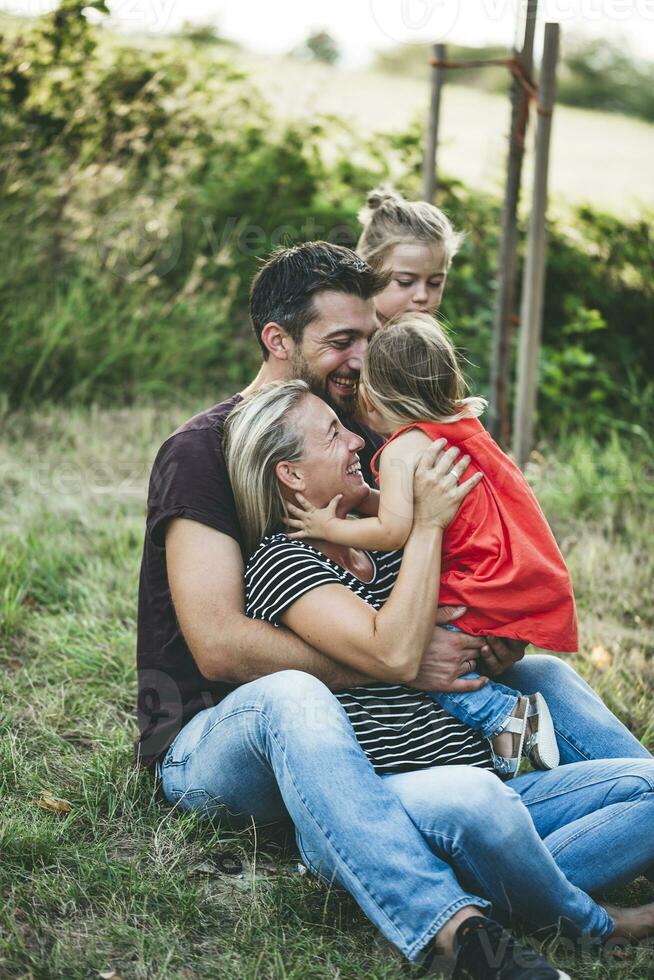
column 307, row 521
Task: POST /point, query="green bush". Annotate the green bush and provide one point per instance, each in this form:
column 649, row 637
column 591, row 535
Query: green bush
column 141, row 187
column 599, row 73
column 598, row 321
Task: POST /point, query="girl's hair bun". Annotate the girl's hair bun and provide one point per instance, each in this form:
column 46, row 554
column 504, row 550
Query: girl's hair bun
column 380, row 195
column 384, row 194
column 388, row 219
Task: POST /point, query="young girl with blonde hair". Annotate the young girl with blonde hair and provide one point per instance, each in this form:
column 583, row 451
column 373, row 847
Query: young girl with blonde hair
column 415, row 242
column 500, row 559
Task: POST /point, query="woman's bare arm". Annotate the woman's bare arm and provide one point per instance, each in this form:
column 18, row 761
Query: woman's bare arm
column 205, row 572
column 391, row 641
column 388, row 643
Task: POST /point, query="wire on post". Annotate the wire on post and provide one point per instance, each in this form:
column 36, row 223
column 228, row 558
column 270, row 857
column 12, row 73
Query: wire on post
column 513, row 64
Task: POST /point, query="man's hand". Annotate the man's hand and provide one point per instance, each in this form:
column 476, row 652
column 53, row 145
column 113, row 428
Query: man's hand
column 498, row 654
column 449, row 656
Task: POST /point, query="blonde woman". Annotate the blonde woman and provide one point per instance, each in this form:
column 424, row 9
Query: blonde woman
column 502, row 563
column 374, row 611
column 415, row 242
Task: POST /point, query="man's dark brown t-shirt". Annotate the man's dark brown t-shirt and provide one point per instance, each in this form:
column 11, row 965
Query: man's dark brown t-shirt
column 189, row 479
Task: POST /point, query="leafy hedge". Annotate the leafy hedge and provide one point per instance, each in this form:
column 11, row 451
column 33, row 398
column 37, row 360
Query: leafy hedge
column 141, row 187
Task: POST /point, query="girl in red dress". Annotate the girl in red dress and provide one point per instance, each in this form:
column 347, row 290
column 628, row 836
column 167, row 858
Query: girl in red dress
column 500, row 558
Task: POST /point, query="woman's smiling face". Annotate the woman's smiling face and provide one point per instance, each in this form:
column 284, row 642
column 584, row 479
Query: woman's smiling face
column 419, row 271
column 330, row 463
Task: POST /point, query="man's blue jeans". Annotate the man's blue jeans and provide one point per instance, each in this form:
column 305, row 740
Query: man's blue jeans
column 413, row 848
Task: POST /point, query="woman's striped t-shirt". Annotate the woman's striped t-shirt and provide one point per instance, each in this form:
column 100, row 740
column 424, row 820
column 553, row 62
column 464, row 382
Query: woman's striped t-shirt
column 399, row 728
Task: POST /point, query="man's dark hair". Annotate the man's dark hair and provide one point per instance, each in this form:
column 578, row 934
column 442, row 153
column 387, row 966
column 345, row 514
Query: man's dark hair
column 284, row 288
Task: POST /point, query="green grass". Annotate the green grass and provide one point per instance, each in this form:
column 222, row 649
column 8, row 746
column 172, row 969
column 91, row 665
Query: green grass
column 122, row 883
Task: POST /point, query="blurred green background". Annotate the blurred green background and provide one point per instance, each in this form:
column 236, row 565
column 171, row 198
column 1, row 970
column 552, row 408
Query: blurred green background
column 143, row 182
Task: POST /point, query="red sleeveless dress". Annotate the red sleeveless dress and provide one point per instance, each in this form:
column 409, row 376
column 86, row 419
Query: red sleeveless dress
column 500, row 558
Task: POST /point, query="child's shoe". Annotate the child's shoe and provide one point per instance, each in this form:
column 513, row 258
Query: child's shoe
column 506, row 763
column 540, row 745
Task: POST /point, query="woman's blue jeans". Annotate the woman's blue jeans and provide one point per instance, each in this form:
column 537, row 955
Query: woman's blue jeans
column 413, row 848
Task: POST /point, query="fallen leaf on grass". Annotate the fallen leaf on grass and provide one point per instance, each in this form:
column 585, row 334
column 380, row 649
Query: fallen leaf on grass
column 206, row 868
column 600, row 658
column 52, row 803
column 111, row 975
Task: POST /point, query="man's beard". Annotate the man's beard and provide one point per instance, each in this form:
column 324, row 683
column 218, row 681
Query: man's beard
column 346, row 404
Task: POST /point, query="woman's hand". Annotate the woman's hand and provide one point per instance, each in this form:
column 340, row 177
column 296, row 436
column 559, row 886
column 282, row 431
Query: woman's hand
column 436, row 489
column 307, row 521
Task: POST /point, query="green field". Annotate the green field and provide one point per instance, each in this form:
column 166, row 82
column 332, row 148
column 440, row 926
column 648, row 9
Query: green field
column 597, row 158
column 120, row 886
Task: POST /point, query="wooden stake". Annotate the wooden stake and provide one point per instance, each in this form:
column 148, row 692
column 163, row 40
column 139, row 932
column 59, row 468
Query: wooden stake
column 498, row 417
column 429, row 172
column 533, row 286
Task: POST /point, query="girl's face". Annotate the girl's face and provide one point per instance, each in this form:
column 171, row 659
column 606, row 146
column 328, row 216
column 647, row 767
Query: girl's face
column 419, row 272
column 371, row 416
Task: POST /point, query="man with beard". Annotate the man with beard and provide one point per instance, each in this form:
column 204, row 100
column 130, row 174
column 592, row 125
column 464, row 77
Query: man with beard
column 284, row 736
column 312, row 309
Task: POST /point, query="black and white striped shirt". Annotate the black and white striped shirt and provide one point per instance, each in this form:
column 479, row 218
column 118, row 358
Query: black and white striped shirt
column 399, row 728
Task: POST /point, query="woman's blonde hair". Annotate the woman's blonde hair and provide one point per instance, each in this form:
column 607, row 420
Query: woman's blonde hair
column 411, row 374
column 260, row 432
column 388, row 220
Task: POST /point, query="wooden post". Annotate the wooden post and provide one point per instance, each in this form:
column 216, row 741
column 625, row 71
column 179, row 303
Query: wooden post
column 429, row 178
column 533, row 284
column 498, row 418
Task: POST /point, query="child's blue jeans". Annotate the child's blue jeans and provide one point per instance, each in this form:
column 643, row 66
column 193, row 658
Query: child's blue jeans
column 486, row 710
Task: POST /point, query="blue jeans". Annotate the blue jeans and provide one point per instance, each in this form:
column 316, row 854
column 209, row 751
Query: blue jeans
column 485, row 710
column 413, row 848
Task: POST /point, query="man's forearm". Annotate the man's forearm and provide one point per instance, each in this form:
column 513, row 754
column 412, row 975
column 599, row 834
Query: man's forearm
column 259, row 649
